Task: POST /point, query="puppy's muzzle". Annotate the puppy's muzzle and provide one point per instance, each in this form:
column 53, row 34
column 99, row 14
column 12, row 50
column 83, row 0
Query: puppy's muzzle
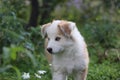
column 49, row 50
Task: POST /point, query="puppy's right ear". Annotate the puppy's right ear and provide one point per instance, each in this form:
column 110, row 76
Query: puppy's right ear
column 43, row 30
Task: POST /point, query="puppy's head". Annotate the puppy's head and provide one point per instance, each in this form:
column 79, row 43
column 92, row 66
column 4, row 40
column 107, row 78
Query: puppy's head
column 59, row 35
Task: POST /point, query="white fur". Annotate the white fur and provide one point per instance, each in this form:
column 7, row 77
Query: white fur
column 69, row 56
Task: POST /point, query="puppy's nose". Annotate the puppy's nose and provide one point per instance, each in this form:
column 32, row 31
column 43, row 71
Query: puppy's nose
column 49, row 50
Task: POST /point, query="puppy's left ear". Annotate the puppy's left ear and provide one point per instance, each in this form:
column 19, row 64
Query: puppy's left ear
column 43, row 30
column 66, row 27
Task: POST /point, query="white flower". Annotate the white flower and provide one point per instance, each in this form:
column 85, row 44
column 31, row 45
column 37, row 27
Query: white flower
column 38, row 76
column 26, row 75
column 41, row 72
column 50, row 64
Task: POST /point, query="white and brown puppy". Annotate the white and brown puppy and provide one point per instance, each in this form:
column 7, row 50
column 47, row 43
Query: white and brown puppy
column 66, row 50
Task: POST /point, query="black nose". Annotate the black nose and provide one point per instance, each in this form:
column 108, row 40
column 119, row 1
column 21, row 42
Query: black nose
column 49, row 50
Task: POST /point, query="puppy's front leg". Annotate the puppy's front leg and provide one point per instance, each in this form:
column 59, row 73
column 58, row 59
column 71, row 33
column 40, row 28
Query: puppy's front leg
column 59, row 76
column 80, row 75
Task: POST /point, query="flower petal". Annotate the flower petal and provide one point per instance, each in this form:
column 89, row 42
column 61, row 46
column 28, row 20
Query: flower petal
column 41, row 72
column 38, row 76
column 26, row 75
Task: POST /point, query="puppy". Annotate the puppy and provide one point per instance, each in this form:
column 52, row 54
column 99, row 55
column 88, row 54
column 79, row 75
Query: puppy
column 66, row 50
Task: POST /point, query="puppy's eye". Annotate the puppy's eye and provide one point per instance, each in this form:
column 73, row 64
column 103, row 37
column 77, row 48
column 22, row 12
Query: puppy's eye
column 48, row 38
column 57, row 38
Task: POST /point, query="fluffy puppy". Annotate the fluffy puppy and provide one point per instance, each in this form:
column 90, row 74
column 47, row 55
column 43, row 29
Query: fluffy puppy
column 65, row 49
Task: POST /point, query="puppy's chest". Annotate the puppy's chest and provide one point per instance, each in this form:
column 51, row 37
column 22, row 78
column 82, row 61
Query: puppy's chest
column 69, row 63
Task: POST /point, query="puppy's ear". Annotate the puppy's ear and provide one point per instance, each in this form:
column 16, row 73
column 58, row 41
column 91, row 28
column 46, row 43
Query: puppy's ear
column 66, row 27
column 43, row 30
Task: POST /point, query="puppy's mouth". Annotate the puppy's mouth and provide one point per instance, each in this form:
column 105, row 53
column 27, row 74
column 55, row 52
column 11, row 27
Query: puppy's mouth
column 51, row 51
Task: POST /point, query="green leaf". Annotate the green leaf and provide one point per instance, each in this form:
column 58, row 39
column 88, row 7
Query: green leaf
column 29, row 46
column 13, row 54
column 14, row 50
column 18, row 72
column 32, row 57
column 6, row 52
column 3, row 69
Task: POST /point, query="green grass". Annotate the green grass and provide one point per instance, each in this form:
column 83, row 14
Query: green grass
column 105, row 71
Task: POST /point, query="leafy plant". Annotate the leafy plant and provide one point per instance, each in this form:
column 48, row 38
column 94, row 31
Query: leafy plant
column 104, row 71
column 18, row 47
column 106, row 34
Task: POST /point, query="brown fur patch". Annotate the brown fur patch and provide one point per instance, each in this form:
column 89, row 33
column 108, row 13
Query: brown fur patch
column 45, row 25
column 43, row 29
column 84, row 74
column 44, row 33
column 48, row 55
column 64, row 27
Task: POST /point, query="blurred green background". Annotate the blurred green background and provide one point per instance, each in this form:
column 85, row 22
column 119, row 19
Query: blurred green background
column 22, row 47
